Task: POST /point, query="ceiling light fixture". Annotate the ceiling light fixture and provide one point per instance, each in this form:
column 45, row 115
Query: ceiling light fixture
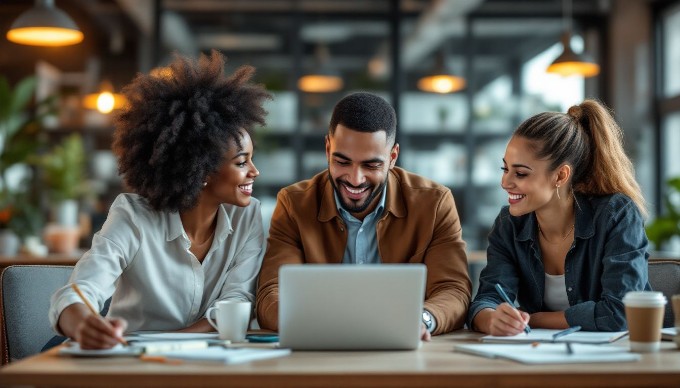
column 106, row 100
column 323, row 79
column 568, row 62
column 440, row 80
column 44, row 25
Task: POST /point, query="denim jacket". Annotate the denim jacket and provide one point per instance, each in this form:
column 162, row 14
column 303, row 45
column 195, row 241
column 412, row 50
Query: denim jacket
column 607, row 259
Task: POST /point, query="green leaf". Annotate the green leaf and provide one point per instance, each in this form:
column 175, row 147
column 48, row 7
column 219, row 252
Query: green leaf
column 666, row 225
column 23, row 92
column 5, row 97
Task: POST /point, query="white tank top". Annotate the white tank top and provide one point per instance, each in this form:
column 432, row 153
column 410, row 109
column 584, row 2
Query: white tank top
column 555, row 296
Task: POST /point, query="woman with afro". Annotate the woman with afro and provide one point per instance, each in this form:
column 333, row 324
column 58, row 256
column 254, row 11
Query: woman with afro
column 190, row 234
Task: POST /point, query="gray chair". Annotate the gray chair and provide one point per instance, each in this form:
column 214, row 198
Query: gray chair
column 24, row 302
column 664, row 276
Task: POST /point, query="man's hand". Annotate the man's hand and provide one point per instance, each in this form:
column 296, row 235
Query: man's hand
column 424, row 334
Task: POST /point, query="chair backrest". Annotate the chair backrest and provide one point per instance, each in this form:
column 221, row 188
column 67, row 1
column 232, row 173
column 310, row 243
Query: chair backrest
column 664, row 276
column 25, row 301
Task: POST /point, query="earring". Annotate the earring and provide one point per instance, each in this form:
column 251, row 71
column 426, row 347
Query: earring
column 557, row 189
column 205, row 184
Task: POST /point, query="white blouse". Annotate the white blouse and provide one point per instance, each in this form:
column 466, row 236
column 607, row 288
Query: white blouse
column 141, row 258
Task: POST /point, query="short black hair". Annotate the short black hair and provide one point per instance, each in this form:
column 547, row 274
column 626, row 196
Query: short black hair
column 365, row 112
column 179, row 123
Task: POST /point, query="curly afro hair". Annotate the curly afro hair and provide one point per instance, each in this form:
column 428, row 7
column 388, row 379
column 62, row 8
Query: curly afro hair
column 177, row 126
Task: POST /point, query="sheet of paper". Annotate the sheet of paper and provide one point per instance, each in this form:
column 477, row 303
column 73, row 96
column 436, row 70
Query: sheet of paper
column 119, row 350
column 667, row 333
column 550, row 353
column 227, row 355
column 169, row 336
column 545, row 335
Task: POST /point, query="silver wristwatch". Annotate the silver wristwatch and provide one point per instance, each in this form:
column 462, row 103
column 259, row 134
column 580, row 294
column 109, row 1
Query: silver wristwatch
column 428, row 321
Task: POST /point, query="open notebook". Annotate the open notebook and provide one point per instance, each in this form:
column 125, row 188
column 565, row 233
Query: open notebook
column 546, row 335
column 550, row 353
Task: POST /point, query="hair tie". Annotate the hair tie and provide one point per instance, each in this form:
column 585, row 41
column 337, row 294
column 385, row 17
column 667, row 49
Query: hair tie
column 576, row 112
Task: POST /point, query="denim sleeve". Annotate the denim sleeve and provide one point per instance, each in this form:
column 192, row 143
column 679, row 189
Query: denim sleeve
column 624, row 269
column 500, row 268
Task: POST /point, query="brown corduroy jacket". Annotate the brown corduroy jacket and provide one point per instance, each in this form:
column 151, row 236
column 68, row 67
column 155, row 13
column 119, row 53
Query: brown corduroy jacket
column 420, row 224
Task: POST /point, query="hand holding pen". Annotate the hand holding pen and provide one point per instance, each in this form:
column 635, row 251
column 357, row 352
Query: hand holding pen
column 511, row 313
column 94, row 331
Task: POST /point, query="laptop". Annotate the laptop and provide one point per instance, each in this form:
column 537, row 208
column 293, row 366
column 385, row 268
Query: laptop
column 351, row 307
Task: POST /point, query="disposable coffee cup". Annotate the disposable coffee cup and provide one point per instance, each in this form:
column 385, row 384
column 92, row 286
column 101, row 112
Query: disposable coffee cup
column 644, row 313
column 231, row 319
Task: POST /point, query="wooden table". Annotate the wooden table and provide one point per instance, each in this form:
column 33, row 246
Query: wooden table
column 434, row 365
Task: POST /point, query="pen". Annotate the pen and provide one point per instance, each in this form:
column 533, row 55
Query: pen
column 90, row 307
column 562, row 333
column 505, row 297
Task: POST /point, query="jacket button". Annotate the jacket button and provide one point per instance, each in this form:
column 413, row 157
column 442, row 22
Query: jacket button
column 342, row 229
column 569, row 289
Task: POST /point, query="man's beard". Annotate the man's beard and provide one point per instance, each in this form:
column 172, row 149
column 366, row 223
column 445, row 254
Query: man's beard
column 350, row 207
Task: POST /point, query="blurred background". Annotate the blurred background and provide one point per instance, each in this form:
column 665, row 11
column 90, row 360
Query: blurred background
column 491, row 63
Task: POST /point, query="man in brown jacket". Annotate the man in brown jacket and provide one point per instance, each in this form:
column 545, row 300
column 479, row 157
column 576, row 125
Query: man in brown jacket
column 364, row 210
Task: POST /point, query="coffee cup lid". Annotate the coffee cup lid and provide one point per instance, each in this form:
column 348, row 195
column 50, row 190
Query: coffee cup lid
column 644, row 298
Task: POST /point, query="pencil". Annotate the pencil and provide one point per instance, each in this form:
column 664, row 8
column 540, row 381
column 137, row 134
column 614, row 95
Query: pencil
column 91, row 308
column 161, row 359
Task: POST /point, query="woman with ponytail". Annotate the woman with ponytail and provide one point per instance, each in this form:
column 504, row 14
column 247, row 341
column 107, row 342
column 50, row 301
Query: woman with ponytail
column 571, row 242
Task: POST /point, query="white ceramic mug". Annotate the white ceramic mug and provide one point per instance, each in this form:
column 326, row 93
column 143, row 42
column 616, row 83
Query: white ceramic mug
column 232, row 319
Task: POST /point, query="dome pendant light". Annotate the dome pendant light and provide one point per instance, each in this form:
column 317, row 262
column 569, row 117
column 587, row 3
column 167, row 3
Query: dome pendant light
column 323, row 79
column 106, row 100
column 44, row 25
column 440, row 80
column 568, row 62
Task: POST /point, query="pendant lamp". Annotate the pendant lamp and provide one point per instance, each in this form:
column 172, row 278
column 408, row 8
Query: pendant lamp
column 568, row 62
column 44, row 25
column 323, row 79
column 106, row 100
column 440, row 80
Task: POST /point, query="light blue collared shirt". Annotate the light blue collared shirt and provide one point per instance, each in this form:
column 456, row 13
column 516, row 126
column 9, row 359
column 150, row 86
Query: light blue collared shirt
column 362, row 238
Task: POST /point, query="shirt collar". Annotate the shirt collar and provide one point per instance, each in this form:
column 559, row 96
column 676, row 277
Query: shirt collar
column 222, row 229
column 394, row 201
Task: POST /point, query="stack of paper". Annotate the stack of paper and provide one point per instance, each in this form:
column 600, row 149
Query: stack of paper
column 668, row 333
column 183, row 346
column 227, row 355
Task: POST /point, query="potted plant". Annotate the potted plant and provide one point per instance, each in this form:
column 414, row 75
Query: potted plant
column 18, row 140
column 63, row 175
column 664, row 231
